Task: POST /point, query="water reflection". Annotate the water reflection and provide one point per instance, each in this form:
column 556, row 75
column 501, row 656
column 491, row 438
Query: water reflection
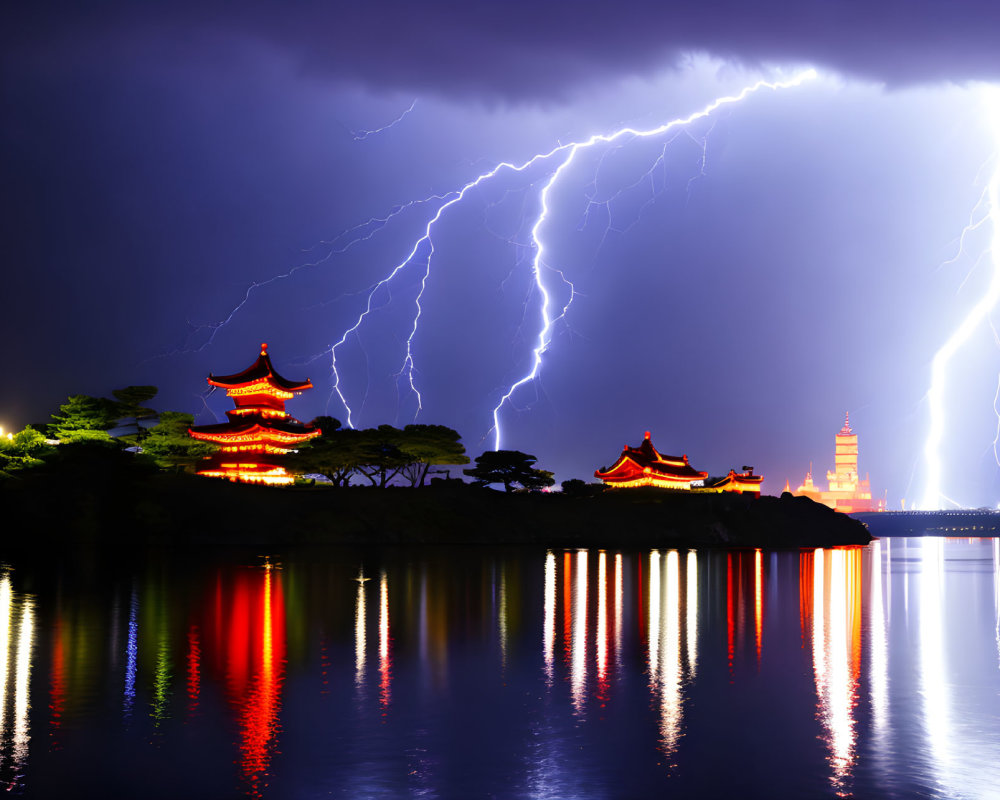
column 360, row 626
column 996, row 594
column 569, row 670
column 602, row 627
column 691, row 577
column 933, row 673
column 549, row 618
column 578, row 669
column 836, row 645
column 17, row 641
column 384, row 657
column 258, row 670
column 877, row 622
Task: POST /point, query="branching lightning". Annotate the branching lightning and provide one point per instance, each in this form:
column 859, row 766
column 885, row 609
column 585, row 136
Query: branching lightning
column 981, row 311
column 361, row 135
column 422, row 251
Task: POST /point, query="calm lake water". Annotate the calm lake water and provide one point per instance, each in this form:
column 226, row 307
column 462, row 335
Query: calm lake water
column 865, row 672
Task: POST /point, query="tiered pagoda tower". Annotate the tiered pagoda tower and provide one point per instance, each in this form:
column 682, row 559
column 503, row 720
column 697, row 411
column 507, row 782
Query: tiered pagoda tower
column 259, row 431
column 848, row 491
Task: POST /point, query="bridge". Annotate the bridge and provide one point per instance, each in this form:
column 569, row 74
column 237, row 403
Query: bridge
column 953, row 522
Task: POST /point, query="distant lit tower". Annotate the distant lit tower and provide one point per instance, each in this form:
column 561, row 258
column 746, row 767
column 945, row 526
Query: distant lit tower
column 847, row 491
column 844, row 477
column 259, row 431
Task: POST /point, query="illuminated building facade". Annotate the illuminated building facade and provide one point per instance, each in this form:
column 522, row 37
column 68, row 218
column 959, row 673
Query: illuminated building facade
column 259, row 431
column 742, row 482
column 846, row 491
column 646, row 466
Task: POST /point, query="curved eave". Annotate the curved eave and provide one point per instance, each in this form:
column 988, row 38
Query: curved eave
column 617, row 466
column 261, row 369
column 620, row 471
column 225, row 432
column 750, row 481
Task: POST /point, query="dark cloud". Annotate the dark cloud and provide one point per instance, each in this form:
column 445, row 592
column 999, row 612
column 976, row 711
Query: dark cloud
column 539, row 50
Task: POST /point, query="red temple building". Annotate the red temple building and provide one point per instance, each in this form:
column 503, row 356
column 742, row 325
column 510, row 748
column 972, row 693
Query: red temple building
column 259, row 431
column 645, row 466
column 742, row 482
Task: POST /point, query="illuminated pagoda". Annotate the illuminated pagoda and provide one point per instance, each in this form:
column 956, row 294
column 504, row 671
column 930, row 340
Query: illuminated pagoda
column 645, row 466
column 847, row 491
column 259, row 431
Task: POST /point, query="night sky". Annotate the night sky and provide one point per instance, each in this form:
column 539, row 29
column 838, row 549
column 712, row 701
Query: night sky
column 180, row 183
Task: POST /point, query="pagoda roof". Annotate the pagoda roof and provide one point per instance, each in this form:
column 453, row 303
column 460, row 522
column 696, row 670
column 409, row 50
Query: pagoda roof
column 647, row 457
column 248, row 423
column 738, row 479
column 261, row 369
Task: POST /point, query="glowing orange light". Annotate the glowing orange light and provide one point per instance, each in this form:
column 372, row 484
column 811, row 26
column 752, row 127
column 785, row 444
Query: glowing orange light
column 259, row 424
column 646, row 466
column 256, row 647
column 758, row 605
column 847, row 490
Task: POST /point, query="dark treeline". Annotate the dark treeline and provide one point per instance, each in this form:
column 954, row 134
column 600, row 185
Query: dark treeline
column 379, row 457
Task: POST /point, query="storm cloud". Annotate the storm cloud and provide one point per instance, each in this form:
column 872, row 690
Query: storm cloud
column 529, row 51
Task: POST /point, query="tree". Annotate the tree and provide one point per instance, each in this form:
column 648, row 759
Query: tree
column 130, row 400
column 381, row 457
column 574, row 487
column 23, row 449
column 509, row 467
column 83, row 418
column 426, row 445
column 171, row 446
column 335, row 453
column 379, row 454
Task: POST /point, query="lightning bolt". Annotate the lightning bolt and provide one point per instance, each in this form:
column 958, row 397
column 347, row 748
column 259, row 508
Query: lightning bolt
column 981, row 311
column 361, row 135
column 562, row 157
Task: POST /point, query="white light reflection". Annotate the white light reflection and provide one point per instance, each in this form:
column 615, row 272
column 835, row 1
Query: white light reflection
column 670, row 665
column 888, row 581
column 619, row 593
column 578, row 674
column 602, row 620
column 549, row 628
column 360, row 625
column 933, row 677
column 691, row 624
column 837, row 654
column 384, row 662
column 819, row 663
column 879, row 677
column 996, row 592
column 5, row 632
column 22, row 675
column 654, row 617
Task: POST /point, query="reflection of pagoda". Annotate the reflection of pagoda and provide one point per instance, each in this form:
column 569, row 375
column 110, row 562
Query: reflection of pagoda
column 645, row 466
column 259, row 430
column 847, row 492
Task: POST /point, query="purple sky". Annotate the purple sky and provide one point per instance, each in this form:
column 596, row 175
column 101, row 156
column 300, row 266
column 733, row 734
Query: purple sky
column 740, row 284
